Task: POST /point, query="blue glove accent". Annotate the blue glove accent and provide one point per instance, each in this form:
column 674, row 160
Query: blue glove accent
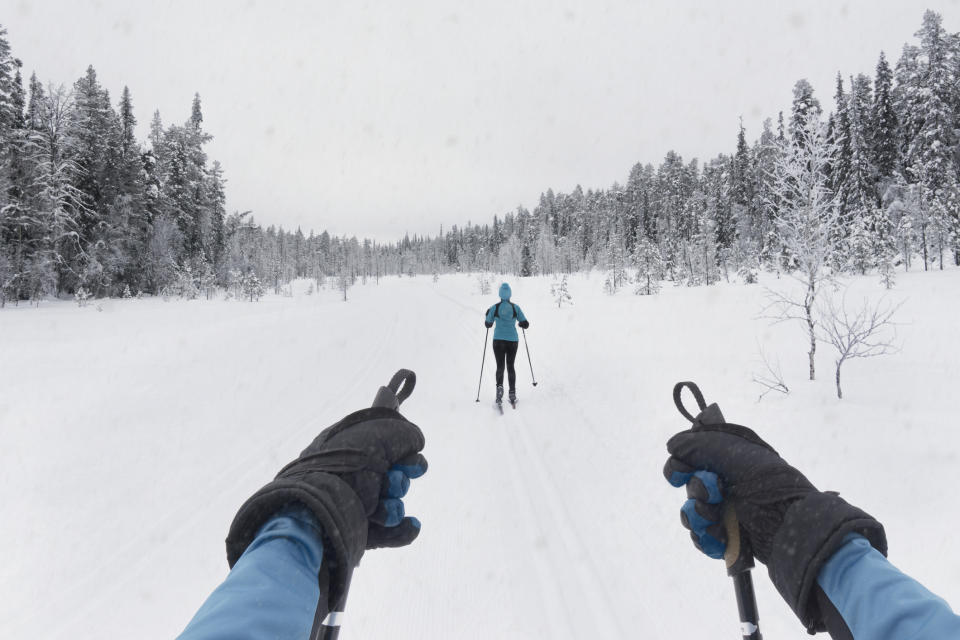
column 712, row 484
column 698, row 525
column 395, row 512
column 398, row 483
column 415, row 522
column 678, row 478
column 712, row 547
column 410, row 470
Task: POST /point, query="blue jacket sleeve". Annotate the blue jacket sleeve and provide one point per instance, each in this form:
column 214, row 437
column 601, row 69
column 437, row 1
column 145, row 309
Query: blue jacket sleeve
column 490, row 312
column 520, row 316
column 272, row 590
column 878, row 602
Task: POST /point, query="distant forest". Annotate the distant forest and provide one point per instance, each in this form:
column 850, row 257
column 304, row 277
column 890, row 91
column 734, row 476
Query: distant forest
column 86, row 206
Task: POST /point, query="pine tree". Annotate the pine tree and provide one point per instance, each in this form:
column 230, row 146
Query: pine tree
column 560, row 292
column 860, row 247
column 925, row 95
column 840, row 164
column 742, row 191
column 650, row 267
column 804, row 106
column 883, row 128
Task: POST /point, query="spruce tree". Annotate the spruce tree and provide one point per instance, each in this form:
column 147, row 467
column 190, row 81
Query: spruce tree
column 882, row 125
column 804, row 106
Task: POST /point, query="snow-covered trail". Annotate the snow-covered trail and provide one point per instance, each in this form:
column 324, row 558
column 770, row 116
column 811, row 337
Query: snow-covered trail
column 129, row 438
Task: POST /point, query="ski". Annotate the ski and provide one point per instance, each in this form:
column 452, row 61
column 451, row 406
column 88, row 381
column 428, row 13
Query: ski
column 514, row 404
column 499, row 406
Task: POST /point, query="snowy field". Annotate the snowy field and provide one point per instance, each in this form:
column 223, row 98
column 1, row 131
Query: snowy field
column 129, row 437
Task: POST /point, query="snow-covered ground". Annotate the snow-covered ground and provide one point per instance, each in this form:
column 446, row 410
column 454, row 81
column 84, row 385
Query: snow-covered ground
column 129, row 437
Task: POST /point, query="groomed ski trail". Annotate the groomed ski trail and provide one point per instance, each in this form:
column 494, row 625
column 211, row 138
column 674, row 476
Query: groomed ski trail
column 569, row 581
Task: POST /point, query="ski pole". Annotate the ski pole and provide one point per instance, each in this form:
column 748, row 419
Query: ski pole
column 482, row 362
column 329, row 627
column 739, row 560
column 391, row 397
column 738, row 556
column 528, row 356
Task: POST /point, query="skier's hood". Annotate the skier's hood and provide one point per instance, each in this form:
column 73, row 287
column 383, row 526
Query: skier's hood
column 505, row 291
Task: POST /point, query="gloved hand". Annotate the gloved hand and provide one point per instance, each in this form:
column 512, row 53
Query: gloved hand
column 524, row 324
column 488, row 324
column 351, row 477
column 791, row 526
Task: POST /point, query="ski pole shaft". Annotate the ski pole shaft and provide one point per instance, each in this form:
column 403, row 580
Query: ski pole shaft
column 391, row 397
column 528, row 356
column 482, row 362
column 329, row 627
column 739, row 560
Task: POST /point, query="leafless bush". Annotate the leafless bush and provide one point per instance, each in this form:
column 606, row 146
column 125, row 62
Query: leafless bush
column 866, row 332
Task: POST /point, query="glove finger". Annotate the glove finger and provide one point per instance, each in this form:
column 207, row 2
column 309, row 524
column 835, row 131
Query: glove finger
column 709, row 536
column 398, row 536
column 389, row 513
column 707, row 516
column 412, row 466
column 677, row 472
column 706, row 487
column 697, row 516
column 396, row 484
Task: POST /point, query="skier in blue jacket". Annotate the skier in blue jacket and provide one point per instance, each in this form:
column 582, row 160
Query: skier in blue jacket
column 826, row 557
column 505, row 315
column 293, row 545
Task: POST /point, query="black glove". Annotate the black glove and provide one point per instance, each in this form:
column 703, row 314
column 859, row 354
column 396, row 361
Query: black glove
column 791, row 526
column 351, row 477
column 524, row 324
column 487, row 324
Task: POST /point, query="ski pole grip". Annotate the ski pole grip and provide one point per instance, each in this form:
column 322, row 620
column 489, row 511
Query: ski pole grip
column 738, row 556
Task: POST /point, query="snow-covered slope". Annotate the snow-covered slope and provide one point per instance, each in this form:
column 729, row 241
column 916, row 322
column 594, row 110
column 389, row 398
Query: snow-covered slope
column 129, row 437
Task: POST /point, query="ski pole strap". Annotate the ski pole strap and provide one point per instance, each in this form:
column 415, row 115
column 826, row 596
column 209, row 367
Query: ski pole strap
column 698, row 396
column 406, row 378
column 397, row 390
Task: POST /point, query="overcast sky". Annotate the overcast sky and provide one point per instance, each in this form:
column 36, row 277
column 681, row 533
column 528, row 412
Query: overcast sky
column 379, row 118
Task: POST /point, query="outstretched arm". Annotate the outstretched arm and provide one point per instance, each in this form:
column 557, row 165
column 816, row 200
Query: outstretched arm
column 272, row 590
column 825, row 556
column 867, row 597
column 294, row 543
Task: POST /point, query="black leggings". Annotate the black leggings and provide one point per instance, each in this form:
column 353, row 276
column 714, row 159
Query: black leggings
column 506, row 350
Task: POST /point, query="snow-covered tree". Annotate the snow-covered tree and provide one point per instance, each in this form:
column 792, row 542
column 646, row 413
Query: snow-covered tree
column 649, row 264
column 860, row 248
column 59, row 204
column 807, row 217
column 560, row 292
column 251, row 287
column 483, row 283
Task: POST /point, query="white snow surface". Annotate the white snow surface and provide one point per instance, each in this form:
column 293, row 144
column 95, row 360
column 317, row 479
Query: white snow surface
column 129, row 437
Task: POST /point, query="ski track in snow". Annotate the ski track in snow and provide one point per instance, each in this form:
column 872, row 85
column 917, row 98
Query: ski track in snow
column 550, row 521
column 129, row 560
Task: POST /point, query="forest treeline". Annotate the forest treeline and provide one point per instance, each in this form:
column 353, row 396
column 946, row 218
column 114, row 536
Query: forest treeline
column 85, row 205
